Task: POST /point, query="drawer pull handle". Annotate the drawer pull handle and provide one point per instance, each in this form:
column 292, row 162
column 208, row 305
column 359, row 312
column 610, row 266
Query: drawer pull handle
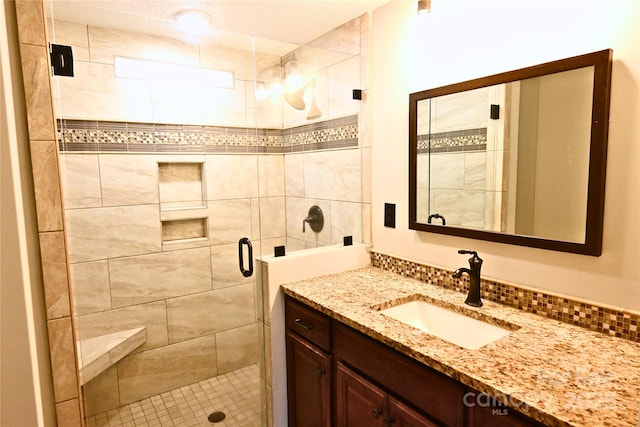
column 321, row 372
column 303, row 326
column 376, row 413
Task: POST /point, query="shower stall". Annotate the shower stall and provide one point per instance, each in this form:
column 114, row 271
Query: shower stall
column 182, row 162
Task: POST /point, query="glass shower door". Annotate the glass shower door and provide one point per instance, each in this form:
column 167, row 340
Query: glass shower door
column 160, row 166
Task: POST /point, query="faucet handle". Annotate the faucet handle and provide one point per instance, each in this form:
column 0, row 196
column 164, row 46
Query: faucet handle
column 463, row 251
column 475, row 261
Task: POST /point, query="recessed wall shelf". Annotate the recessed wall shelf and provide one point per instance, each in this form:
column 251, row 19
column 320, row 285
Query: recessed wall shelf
column 184, row 230
column 183, row 210
column 181, row 185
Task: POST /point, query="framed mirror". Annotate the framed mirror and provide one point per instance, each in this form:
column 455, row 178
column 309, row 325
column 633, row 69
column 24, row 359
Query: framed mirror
column 517, row 157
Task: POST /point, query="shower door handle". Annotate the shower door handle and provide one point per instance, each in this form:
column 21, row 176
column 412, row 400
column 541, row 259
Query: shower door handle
column 241, row 243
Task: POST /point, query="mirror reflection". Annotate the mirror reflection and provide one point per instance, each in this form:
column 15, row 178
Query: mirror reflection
column 519, row 154
column 512, row 157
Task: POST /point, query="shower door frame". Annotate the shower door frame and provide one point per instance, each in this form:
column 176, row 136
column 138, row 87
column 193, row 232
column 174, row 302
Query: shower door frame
column 251, row 229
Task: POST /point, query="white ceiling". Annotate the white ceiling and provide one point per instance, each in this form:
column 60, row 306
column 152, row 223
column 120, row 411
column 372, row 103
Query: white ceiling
column 234, row 21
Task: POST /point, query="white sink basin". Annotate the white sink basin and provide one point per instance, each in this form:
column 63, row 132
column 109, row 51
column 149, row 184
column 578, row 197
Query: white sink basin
column 456, row 328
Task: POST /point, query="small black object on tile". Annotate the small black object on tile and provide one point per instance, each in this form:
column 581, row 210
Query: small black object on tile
column 61, row 60
column 390, row 215
column 357, row 94
column 347, row 240
column 495, row 112
column 216, row 417
column 278, row 251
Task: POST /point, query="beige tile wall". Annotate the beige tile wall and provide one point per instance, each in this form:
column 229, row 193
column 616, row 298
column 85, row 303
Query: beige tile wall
column 44, row 160
column 96, row 180
column 190, row 296
column 180, row 184
column 332, row 180
column 335, row 60
column 96, row 94
column 463, row 186
column 172, row 366
column 337, row 181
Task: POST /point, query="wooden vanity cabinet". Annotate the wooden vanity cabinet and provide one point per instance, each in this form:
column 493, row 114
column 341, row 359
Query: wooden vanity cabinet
column 431, row 393
column 337, row 376
column 361, row 403
column 308, row 384
column 308, row 366
column 358, row 401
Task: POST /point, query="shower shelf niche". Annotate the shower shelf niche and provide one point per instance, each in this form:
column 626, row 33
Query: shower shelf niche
column 181, row 186
column 184, row 230
column 183, row 210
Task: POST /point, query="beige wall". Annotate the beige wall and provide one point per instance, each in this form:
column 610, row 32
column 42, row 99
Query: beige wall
column 553, row 163
column 38, row 140
column 461, row 40
column 26, row 392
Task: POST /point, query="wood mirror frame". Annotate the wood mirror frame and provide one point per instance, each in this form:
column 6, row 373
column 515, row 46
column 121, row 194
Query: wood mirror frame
column 592, row 245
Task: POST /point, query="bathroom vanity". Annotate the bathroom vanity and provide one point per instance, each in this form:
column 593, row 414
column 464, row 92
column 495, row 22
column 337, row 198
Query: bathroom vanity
column 348, row 364
column 374, row 385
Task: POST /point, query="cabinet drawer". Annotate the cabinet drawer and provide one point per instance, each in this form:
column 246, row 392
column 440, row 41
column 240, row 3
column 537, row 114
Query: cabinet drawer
column 308, row 323
column 431, row 391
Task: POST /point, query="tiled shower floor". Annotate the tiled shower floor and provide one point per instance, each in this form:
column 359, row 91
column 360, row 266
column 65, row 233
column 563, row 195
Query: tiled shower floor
column 236, row 393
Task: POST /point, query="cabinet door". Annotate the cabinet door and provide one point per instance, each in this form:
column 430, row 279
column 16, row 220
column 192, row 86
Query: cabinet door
column 309, row 384
column 420, row 386
column 358, row 402
column 400, row 415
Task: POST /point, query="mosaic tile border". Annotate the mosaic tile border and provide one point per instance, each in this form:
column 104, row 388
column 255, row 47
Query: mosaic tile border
column 454, row 141
column 104, row 136
column 617, row 323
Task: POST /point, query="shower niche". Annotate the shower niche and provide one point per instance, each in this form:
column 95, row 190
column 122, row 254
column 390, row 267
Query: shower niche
column 182, row 202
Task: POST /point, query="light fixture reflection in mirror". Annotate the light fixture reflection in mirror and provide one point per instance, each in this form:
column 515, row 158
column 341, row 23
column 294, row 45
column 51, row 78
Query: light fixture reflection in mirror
column 296, row 98
column 261, row 92
column 275, row 88
column 284, row 82
column 517, row 157
column 298, row 92
column 314, row 111
column 292, row 79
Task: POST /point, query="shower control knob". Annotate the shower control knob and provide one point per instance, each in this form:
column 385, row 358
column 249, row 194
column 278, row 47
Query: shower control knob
column 315, row 219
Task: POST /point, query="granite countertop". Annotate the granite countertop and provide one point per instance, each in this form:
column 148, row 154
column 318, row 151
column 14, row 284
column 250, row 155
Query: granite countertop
column 566, row 375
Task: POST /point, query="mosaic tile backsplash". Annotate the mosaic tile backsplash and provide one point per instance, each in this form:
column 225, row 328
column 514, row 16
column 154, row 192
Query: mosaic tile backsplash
column 453, row 141
column 617, row 323
column 104, row 136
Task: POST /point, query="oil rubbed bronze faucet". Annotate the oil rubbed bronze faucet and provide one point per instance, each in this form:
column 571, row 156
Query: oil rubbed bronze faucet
column 475, row 263
column 315, row 219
